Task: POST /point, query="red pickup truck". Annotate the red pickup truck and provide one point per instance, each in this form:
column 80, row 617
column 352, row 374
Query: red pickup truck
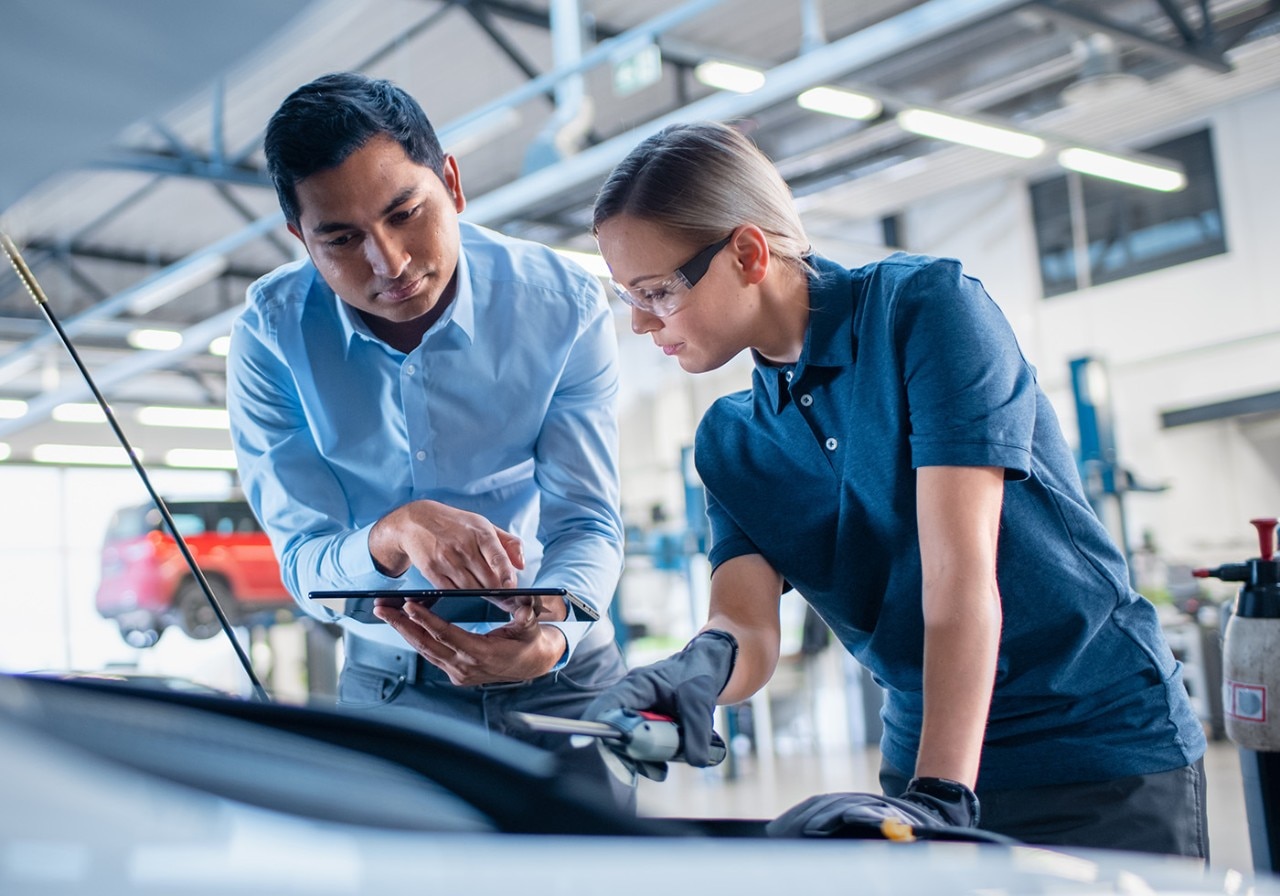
column 147, row 586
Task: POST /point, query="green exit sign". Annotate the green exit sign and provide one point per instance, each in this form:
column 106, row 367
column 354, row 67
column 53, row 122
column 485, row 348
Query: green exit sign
column 637, row 69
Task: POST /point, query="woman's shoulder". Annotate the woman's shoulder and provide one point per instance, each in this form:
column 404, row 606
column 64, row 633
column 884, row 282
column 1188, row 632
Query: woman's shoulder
column 726, row 420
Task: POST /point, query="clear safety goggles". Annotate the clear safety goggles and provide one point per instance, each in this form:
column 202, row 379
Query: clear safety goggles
column 667, row 297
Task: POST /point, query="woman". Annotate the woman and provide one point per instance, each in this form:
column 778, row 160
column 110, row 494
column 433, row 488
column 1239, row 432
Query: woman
column 896, row 463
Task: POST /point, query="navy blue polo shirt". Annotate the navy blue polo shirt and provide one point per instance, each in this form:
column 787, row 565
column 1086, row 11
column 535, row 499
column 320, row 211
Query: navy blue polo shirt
column 908, row 362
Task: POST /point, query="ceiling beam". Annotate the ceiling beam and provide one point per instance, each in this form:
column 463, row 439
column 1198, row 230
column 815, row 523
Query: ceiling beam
column 909, row 29
column 1199, row 53
column 175, row 165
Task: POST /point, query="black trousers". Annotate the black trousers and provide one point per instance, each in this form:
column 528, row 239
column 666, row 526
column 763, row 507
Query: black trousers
column 399, row 686
column 1158, row 813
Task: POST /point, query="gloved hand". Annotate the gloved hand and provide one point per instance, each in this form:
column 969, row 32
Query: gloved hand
column 684, row 686
column 927, row 804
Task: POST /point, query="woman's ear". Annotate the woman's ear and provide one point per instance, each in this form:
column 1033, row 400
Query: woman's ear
column 751, row 249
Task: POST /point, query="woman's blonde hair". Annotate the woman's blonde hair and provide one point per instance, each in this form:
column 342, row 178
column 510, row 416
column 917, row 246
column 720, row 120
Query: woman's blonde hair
column 701, row 180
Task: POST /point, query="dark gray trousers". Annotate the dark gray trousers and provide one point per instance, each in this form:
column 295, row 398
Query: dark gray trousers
column 1158, row 813
column 392, row 683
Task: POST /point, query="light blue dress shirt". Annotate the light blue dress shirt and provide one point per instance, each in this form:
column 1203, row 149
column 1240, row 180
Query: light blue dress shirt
column 506, row 409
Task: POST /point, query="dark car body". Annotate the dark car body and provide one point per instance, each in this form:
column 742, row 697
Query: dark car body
column 146, row 584
column 111, row 788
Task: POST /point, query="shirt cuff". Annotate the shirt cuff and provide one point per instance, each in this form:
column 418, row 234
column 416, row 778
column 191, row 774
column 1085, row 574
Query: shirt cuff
column 574, row 632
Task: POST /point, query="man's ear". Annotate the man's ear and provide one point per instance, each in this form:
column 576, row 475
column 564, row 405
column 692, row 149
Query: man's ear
column 453, row 183
column 751, row 248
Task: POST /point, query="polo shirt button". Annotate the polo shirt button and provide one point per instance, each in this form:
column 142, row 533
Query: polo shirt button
column 422, row 455
column 806, row 399
column 788, row 375
column 832, row 444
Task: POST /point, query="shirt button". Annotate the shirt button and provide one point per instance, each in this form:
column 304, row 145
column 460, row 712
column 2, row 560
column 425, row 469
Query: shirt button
column 832, row 444
column 422, row 455
column 806, row 399
column 411, row 370
column 789, row 374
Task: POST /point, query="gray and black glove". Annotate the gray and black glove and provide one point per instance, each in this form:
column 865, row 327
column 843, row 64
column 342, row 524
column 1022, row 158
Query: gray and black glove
column 684, row 686
column 929, row 805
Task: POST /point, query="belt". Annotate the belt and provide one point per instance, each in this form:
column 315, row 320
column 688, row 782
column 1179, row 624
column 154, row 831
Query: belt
column 407, row 664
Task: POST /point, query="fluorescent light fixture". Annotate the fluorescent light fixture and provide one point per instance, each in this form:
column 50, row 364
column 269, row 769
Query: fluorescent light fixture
column 176, row 280
column 12, row 408
column 201, row 458
column 1127, row 171
column 5, row 450
column 844, row 103
column 82, row 454
column 155, row 340
column 185, row 418
column 589, row 260
column 970, row 133
column 75, row 412
column 728, row 76
column 220, row 346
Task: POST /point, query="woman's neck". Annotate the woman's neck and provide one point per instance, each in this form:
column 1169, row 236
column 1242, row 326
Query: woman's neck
column 784, row 315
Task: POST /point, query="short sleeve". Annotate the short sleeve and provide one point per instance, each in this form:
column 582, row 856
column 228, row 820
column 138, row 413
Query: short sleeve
column 971, row 395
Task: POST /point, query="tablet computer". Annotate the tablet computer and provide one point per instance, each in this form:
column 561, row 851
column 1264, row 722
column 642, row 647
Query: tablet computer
column 464, row 604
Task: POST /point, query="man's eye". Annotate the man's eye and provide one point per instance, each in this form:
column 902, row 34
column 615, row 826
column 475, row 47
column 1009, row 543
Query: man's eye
column 339, row 241
column 401, row 217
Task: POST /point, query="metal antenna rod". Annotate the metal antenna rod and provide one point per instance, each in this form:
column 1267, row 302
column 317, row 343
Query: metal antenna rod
column 33, row 287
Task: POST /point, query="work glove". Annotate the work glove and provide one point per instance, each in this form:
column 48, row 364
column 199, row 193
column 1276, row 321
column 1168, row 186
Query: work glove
column 684, row 686
column 928, row 806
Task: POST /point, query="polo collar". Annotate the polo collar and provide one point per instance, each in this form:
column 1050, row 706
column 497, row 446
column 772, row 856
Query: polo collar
column 828, row 340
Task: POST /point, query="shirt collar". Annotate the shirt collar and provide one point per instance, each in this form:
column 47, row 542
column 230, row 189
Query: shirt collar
column 459, row 317
column 828, row 340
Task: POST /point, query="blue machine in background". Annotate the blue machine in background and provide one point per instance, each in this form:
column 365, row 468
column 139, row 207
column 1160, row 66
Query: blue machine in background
column 1106, row 482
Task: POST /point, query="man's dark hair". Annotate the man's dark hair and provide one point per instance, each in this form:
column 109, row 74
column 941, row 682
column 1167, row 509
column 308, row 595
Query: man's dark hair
column 322, row 123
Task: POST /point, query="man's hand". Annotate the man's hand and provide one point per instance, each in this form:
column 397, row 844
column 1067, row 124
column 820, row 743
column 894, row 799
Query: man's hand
column 685, row 687
column 517, row 651
column 928, row 803
column 452, row 548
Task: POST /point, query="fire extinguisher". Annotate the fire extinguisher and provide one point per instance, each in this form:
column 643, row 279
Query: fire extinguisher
column 1251, row 688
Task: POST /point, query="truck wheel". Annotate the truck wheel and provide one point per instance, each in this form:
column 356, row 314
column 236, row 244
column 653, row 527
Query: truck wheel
column 197, row 618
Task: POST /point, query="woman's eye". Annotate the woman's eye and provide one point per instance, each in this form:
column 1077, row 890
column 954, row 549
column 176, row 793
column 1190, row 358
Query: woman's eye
column 653, row 295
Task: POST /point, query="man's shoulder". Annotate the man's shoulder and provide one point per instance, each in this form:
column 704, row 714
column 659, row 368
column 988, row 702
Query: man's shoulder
column 288, row 283
column 520, row 263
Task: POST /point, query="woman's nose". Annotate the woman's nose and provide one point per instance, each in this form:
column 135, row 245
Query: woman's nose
column 643, row 322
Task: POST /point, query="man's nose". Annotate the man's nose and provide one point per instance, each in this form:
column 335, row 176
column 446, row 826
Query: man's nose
column 387, row 255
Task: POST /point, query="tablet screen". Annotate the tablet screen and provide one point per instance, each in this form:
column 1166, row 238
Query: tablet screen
column 463, row 604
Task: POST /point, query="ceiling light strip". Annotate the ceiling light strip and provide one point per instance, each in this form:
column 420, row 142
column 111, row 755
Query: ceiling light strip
column 1164, row 178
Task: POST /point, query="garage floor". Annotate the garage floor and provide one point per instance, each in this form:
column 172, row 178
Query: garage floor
column 763, row 790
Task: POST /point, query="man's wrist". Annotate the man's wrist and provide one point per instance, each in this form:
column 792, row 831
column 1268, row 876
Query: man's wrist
column 384, row 549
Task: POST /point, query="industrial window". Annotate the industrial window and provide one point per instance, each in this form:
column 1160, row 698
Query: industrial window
column 1092, row 231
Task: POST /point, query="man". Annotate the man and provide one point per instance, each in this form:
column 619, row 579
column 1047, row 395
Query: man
column 423, row 403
